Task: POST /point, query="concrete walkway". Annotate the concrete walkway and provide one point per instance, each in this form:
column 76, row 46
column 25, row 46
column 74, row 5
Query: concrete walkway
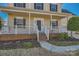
column 54, row 48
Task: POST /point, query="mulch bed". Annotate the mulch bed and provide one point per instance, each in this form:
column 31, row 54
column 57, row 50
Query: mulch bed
column 16, row 44
column 70, row 39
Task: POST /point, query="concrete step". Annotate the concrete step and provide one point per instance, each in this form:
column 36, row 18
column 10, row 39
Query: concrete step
column 42, row 36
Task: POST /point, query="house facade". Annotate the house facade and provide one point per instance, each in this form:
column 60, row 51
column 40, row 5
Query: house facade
column 35, row 19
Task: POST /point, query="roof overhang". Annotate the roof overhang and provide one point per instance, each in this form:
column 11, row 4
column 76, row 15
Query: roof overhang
column 23, row 10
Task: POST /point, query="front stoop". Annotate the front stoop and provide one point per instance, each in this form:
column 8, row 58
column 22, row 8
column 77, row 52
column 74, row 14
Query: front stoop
column 42, row 37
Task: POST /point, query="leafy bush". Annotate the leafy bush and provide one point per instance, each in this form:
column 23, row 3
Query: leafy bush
column 0, row 25
column 63, row 36
column 59, row 36
column 73, row 24
column 27, row 44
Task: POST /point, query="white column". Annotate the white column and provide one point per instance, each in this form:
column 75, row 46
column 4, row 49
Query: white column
column 66, row 25
column 51, row 20
column 16, row 29
column 29, row 23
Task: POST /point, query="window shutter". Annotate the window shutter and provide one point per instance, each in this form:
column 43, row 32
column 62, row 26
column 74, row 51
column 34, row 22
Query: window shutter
column 24, row 5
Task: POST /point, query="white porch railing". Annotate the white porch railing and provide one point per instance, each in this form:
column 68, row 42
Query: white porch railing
column 44, row 30
column 16, row 30
column 37, row 32
column 47, row 32
column 24, row 30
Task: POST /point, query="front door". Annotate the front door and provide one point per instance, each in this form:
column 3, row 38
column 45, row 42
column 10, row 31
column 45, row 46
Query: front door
column 39, row 24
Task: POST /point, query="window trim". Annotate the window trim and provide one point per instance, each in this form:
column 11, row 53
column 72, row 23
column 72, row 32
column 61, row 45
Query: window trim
column 51, row 24
column 21, row 18
column 42, row 7
column 42, row 22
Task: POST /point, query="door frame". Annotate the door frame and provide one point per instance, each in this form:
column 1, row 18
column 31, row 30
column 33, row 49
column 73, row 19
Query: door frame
column 42, row 22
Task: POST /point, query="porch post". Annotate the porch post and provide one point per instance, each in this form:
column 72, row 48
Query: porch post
column 29, row 23
column 51, row 20
column 66, row 26
column 16, row 29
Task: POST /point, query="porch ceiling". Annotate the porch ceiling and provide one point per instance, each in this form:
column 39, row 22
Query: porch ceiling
column 26, row 11
column 18, row 13
column 47, row 16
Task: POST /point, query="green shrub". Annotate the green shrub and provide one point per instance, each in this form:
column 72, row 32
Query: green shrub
column 73, row 24
column 27, row 44
column 59, row 36
column 66, row 36
column 63, row 36
column 0, row 26
column 0, row 23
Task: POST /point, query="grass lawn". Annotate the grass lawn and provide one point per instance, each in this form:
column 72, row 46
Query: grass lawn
column 31, row 52
column 76, row 53
column 64, row 43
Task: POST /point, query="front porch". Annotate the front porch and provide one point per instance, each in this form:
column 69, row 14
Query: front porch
column 34, row 23
column 27, row 32
column 30, row 23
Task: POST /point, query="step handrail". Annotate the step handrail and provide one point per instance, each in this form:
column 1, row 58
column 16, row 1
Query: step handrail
column 46, row 31
column 37, row 31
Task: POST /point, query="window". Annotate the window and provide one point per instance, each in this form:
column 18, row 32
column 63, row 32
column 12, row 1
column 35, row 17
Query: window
column 19, row 22
column 38, row 6
column 53, row 7
column 54, row 24
column 19, row 5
